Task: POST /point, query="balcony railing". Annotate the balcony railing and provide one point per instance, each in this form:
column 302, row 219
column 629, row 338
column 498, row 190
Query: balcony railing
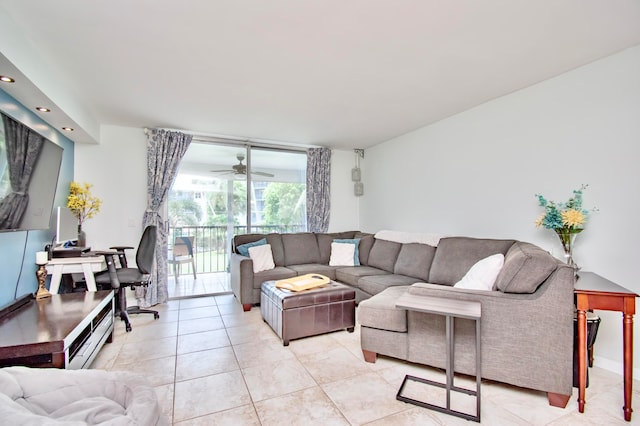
column 212, row 244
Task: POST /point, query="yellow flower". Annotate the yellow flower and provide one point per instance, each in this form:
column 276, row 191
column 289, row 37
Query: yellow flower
column 572, row 217
column 81, row 203
column 540, row 220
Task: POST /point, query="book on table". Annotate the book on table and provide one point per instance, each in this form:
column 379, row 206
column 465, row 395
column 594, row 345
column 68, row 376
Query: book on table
column 303, row 282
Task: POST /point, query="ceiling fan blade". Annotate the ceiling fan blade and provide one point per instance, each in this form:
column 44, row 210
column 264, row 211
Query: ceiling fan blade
column 263, row 174
column 222, row 171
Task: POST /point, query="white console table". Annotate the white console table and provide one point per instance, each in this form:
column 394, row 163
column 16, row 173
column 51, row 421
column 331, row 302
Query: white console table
column 72, row 265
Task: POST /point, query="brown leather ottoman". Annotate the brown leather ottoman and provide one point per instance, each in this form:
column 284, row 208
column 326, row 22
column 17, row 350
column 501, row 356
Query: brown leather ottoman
column 293, row 315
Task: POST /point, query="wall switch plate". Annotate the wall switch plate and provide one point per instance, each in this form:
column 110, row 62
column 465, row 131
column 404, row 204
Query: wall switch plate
column 355, row 174
column 358, row 189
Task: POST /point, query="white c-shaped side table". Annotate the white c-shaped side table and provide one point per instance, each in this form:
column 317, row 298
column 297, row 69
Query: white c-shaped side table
column 72, row 265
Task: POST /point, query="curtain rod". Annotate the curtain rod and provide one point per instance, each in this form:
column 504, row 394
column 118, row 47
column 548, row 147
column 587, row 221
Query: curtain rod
column 239, row 140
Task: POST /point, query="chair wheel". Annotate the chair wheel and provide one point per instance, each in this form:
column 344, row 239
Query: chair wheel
column 156, row 315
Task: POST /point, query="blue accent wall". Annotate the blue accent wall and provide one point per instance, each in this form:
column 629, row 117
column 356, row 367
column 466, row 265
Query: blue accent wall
column 18, row 249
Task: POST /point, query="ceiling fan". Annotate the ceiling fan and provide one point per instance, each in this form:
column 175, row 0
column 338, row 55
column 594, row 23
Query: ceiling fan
column 241, row 169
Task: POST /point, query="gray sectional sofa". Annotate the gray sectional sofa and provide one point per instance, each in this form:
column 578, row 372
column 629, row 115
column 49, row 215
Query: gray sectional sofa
column 293, row 254
column 527, row 320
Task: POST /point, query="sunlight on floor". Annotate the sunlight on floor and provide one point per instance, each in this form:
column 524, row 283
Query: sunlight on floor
column 204, row 284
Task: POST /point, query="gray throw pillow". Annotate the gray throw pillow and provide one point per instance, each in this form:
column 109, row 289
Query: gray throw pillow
column 526, row 266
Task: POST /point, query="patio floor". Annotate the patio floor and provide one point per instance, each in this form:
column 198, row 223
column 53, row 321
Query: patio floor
column 204, row 284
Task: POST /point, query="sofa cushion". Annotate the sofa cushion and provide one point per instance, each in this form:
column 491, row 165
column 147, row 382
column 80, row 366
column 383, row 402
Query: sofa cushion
column 456, row 255
column 275, row 241
column 277, row 273
column 324, row 243
column 414, row 260
column 351, row 274
column 380, row 311
column 383, row 254
column 315, row 268
column 526, row 266
column 374, row 284
column 364, row 248
column 300, row 248
column 482, row 275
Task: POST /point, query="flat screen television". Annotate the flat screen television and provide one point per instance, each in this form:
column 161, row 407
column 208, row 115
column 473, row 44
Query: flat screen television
column 41, row 188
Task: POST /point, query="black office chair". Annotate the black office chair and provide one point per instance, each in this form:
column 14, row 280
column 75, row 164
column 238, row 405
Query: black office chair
column 121, row 278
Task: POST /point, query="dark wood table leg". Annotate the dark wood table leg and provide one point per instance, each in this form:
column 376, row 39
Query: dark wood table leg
column 582, row 358
column 595, row 292
column 627, row 329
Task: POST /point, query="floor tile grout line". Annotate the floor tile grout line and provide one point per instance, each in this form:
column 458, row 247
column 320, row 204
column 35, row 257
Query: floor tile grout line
column 175, row 381
column 320, row 385
column 175, row 367
column 244, row 380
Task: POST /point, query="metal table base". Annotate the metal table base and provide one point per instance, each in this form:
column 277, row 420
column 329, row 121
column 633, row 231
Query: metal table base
column 463, row 309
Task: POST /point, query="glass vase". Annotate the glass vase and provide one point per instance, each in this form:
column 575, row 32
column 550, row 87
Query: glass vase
column 567, row 238
column 82, row 237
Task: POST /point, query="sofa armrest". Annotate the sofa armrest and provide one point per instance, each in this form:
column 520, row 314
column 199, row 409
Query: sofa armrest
column 534, row 329
column 242, row 278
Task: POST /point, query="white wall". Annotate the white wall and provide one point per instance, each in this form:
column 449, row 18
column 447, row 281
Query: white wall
column 476, row 173
column 344, row 205
column 117, row 169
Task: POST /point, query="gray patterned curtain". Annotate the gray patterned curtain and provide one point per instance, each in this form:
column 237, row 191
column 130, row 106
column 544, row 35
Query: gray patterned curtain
column 23, row 149
column 318, row 189
column 165, row 149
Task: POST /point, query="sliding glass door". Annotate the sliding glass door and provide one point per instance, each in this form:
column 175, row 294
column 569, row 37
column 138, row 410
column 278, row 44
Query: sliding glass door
column 223, row 190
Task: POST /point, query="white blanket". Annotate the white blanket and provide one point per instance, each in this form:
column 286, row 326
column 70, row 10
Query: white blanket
column 409, row 237
column 45, row 396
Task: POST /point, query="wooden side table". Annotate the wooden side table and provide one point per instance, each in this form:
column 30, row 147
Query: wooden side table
column 450, row 309
column 595, row 292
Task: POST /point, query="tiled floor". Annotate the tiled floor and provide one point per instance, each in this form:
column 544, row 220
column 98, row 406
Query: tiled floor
column 211, row 363
column 203, row 284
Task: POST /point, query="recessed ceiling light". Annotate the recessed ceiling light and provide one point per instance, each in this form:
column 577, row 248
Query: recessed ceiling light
column 43, row 109
column 67, row 129
column 7, row 79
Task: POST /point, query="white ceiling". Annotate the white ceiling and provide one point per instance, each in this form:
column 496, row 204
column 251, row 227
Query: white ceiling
column 339, row 73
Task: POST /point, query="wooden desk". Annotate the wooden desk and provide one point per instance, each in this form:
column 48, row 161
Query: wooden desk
column 72, row 265
column 595, row 292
